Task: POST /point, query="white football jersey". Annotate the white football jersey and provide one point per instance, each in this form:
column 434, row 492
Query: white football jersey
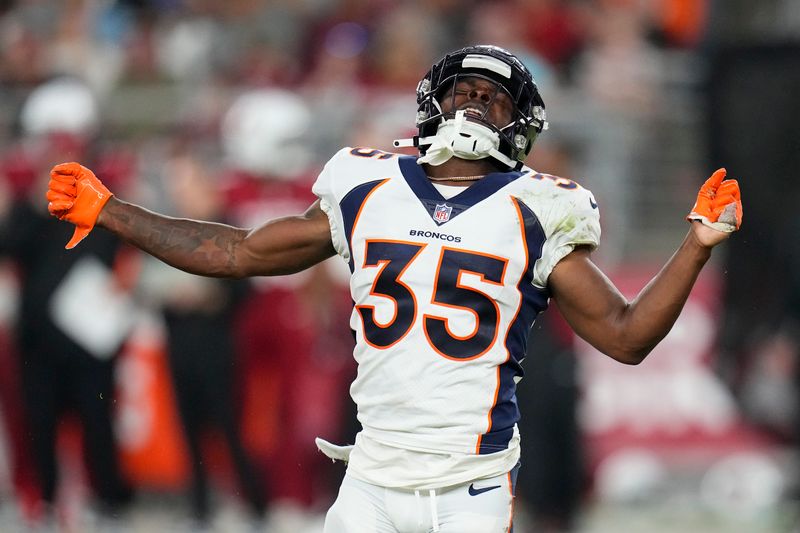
column 445, row 292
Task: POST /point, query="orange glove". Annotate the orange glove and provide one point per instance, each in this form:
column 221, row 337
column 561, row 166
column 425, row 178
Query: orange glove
column 77, row 196
column 719, row 203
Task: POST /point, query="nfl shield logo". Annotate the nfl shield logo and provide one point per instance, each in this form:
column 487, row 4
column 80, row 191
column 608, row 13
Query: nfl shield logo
column 442, row 213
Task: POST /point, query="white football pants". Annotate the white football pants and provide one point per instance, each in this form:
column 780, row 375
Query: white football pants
column 482, row 506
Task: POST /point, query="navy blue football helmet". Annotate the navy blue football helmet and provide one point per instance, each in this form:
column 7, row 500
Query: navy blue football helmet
column 509, row 74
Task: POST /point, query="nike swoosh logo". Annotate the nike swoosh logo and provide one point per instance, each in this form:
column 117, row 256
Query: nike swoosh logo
column 592, row 203
column 474, row 492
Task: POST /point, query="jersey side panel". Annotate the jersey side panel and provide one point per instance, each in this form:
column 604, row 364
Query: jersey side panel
column 505, row 412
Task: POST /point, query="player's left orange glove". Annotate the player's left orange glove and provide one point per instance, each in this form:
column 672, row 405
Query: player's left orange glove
column 76, row 195
column 719, row 203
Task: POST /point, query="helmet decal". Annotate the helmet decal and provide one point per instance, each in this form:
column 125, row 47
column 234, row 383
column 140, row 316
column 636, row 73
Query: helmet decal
column 487, row 63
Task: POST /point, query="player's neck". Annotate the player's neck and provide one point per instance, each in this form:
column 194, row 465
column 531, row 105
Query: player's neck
column 460, row 170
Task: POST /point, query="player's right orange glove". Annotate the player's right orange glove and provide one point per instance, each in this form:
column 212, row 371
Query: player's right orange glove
column 77, row 196
column 719, row 203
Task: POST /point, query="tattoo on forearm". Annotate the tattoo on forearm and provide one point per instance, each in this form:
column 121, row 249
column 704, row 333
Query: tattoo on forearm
column 200, row 247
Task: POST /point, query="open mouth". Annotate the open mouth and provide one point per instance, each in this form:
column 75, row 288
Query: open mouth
column 472, row 111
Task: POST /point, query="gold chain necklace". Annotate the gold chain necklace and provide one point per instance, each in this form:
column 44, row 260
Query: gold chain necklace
column 457, row 178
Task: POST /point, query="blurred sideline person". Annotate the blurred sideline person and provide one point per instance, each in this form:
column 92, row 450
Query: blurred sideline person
column 452, row 255
column 199, row 314
column 293, row 376
column 551, row 484
column 66, row 364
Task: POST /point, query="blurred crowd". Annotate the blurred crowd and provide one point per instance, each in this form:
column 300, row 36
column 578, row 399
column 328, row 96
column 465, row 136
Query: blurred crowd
column 173, row 67
column 226, row 111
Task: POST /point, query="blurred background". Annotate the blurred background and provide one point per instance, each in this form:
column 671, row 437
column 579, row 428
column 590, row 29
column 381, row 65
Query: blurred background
column 134, row 397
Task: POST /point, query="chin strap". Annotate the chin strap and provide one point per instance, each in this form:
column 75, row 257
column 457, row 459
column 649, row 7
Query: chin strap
column 458, row 137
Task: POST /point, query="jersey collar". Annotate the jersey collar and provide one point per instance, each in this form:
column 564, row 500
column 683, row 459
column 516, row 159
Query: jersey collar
column 470, row 196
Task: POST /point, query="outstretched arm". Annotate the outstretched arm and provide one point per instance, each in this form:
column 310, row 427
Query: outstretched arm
column 628, row 331
column 601, row 315
column 280, row 246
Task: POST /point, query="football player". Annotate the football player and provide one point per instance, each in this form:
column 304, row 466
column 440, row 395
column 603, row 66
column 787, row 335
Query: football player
column 452, row 255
